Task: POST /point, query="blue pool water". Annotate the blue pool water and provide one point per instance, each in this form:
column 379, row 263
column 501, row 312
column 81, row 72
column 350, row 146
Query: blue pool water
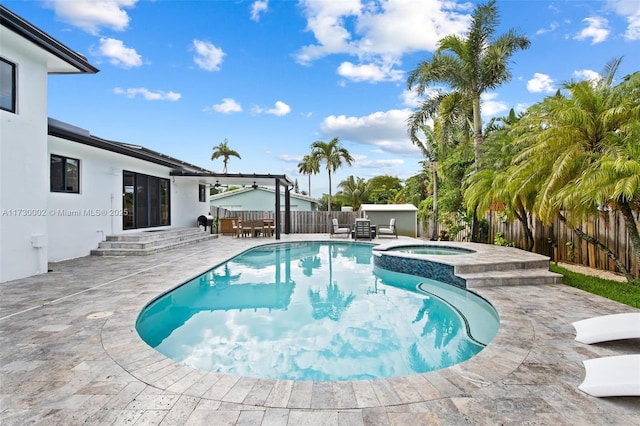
column 316, row 311
column 424, row 249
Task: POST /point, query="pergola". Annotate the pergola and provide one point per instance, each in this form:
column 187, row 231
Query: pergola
column 253, row 179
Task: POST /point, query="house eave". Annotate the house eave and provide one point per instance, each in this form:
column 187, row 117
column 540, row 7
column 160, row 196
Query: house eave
column 24, row 29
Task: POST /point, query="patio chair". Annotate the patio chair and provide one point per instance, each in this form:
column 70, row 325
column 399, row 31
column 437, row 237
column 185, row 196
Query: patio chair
column 337, row 230
column 362, row 230
column 236, row 228
column 608, row 327
column 612, row 376
column 388, row 230
column 268, row 227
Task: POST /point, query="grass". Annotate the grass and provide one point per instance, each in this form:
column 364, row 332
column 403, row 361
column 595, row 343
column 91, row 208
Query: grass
column 622, row 292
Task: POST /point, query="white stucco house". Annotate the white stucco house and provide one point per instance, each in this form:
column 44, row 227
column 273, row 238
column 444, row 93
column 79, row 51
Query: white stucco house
column 261, row 199
column 62, row 189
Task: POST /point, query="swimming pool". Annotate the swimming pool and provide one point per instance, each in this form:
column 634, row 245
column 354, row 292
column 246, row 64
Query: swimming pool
column 426, row 249
column 316, row 311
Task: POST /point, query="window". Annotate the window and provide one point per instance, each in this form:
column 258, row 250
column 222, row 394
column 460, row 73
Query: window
column 65, row 174
column 202, row 193
column 7, row 86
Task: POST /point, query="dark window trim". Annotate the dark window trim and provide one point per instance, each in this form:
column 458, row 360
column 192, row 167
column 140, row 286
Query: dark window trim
column 12, row 109
column 64, row 175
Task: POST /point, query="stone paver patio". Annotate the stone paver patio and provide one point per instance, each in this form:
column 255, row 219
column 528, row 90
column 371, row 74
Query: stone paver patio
column 70, row 355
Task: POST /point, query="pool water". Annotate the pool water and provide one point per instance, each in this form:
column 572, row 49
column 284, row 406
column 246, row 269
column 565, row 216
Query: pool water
column 424, row 249
column 315, row 311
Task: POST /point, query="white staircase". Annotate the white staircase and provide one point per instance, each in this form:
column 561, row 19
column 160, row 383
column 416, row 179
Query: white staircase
column 149, row 242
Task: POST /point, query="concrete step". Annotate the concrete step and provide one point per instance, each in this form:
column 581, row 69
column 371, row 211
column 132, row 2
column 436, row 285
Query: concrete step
column 502, row 266
column 160, row 239
column 167, row 241
column 153, row 235
column 538, row 276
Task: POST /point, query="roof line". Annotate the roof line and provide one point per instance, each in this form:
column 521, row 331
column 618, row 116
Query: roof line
column 26, row 30
column 61, row 130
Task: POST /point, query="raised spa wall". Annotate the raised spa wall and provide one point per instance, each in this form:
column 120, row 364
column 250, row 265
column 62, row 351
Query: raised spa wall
column 420, row 267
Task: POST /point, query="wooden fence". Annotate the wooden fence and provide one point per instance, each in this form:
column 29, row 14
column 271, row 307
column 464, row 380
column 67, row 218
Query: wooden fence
column 301, row 222
column 562, row 244
column 558, row 241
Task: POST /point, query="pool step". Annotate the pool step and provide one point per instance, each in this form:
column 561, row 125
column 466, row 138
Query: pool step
column 150, row 242
column 512, row 265
column 496, row 278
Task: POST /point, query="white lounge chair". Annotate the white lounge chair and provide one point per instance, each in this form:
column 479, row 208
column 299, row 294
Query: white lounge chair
column 388, row 230
column 608, row 327
column 337, row 230
column 612, row 376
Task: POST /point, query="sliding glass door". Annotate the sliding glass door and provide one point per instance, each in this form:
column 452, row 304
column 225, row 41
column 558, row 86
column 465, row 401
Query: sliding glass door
column 146, row 200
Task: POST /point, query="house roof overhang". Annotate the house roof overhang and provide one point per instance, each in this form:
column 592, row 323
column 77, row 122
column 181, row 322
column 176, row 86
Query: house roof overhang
column 224, row 179
column 60, row 58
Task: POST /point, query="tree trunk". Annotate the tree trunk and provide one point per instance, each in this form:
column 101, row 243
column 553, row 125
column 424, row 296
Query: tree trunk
column 434, row 234
column 477, row 130
column 523, row 218
column 621, row 267
column 632, row 228
column 329, row 206
column 475, row 226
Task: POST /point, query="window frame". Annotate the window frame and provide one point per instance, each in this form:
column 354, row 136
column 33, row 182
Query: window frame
column 64, row 178
column 14, row 77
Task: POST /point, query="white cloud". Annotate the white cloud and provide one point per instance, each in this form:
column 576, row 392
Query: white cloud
column 227, row 106
column 118, row 54
column 378, row 33
column 208, row 56
column 490, row 106
column 630, row 10
column 257, row 8
column 410, row 98
column 596, row 30
column 552, row 27
column 91, row 15
column 587, row 75
column 540, row 83
column 290, row 158
column 386, row 29
column 279, row 109
column 385, row 130
column 147, row 94
column 369, row 72
column 379, row 164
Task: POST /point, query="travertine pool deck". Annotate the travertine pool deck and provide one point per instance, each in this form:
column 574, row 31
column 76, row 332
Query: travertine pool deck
column 70, row 355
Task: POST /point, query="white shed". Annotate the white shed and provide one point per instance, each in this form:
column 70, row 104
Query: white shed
column 406, row 216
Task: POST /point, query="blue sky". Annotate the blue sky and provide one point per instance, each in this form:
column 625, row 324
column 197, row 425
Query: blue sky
column 274, row 76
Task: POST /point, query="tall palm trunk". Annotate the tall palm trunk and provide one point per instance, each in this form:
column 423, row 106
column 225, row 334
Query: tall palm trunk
column 329, row 206
column 477, row 130
column 434, row 234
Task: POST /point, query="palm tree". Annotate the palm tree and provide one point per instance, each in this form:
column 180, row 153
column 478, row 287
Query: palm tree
column 333, row 153
column 581, row 152
column 354, row 191
column 223, row 151
column 493, row 185
column 452, row 115
column 309, row 166
column 473, row 64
